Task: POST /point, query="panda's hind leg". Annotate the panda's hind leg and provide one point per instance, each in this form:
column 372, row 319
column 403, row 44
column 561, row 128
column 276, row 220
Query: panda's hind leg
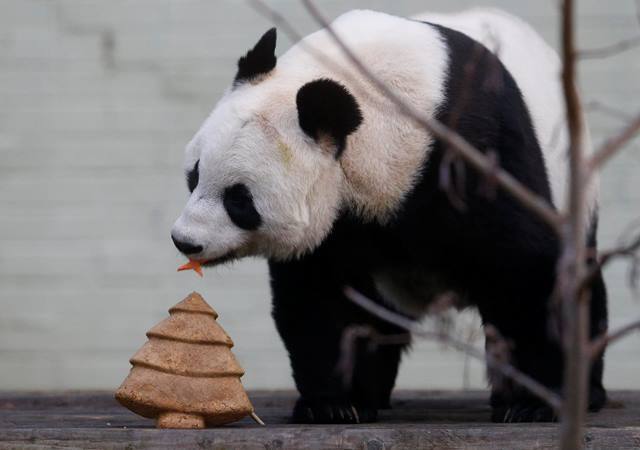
column 597, row 392
column 598, row 326
column 522, row 324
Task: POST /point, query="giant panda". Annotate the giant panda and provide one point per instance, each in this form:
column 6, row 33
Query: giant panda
column 303, row 162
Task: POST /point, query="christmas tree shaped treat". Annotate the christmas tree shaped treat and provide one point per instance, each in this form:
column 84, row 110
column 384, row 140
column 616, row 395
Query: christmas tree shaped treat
column 185, row 375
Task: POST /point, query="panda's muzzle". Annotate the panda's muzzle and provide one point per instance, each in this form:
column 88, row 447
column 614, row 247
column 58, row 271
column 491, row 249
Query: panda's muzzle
column 230, row 256
column 187, row 248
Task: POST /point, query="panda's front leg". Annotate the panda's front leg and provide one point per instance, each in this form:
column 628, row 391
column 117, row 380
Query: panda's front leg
column 311, row 315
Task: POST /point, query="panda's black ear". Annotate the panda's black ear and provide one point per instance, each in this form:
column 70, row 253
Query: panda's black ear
column 327, row 108
column 260, row 60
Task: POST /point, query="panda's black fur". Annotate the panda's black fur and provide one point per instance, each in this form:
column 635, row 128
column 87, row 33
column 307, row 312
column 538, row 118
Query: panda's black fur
column 259, row 60
column 325, row 106
column 490, row 249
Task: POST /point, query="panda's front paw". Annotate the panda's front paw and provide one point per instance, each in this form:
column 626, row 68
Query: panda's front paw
column 530, row 413
column 331, row 411
column 531, row 410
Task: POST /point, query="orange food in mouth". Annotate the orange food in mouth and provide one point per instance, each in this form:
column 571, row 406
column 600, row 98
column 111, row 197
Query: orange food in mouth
column 194, row 265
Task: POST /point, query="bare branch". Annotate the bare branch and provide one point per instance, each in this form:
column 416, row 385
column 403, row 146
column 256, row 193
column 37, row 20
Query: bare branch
column 629, row 248
column 473, row 156
column 613, row 145
column 615, row 48
column 610, row 50
column 629, row 251
column 572, row 269
column 617, row 142
column 596, row 105
column 599, row 344
column 348, row 347
column 451, row 180
column 625, row 250
column 556, row 133
column 470, row 336
column 276, row 18
column 507, row 370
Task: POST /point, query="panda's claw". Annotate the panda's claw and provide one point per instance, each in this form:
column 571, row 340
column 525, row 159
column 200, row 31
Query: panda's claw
column 331, row 411
column 521, row 412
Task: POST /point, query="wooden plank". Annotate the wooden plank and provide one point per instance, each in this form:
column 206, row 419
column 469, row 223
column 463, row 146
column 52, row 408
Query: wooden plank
column 419, row 419
column 91, row 140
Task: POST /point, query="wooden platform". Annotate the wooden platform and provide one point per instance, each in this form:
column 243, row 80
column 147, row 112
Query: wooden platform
column 93, row 420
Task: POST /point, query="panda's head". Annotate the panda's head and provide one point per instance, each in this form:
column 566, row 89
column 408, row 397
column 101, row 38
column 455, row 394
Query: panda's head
column 264, row 168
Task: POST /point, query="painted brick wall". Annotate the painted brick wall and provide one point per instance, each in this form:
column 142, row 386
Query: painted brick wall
column 97, row 100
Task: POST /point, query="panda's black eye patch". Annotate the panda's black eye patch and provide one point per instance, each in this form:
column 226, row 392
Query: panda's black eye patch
column 238, row 202
column 193, row 177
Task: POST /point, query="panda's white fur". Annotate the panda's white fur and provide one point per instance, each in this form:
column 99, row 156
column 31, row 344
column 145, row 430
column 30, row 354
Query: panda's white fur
column 253, row 135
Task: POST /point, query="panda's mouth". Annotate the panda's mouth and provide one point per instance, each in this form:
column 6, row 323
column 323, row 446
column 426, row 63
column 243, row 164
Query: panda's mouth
column 227, row 257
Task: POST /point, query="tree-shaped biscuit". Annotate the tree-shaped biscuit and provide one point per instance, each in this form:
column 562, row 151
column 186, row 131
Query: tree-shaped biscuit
column 185, row 376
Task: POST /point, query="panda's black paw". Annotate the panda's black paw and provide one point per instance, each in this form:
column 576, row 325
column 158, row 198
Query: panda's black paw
column 527, row 412
column 528, row 409
column 525, row 409
column 331, row 411
column 597, row 398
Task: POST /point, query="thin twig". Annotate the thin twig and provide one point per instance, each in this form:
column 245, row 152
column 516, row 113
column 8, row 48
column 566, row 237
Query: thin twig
column 507, row 370
column 610, row 50
column 348, row 347
column 618, row 141
column 626, row 250
column 452, row 177
column 276, row 18
column 473, row 156
column 615, row 48
column 256, row 418
column 630, row 249
column 613, row 145
column 598, row 345
column 598, row 106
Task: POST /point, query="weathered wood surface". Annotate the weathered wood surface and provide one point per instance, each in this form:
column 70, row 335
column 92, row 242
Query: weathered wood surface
column 442, row 420
column 97, row 101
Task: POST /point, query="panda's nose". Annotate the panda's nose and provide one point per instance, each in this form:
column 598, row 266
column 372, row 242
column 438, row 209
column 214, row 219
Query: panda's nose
column 186, row 247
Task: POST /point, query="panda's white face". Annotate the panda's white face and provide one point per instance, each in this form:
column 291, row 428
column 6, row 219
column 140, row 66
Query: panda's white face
column 257, row 188
column 288, row 147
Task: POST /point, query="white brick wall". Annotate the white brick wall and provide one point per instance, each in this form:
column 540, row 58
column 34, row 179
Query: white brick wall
column 97, row 100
